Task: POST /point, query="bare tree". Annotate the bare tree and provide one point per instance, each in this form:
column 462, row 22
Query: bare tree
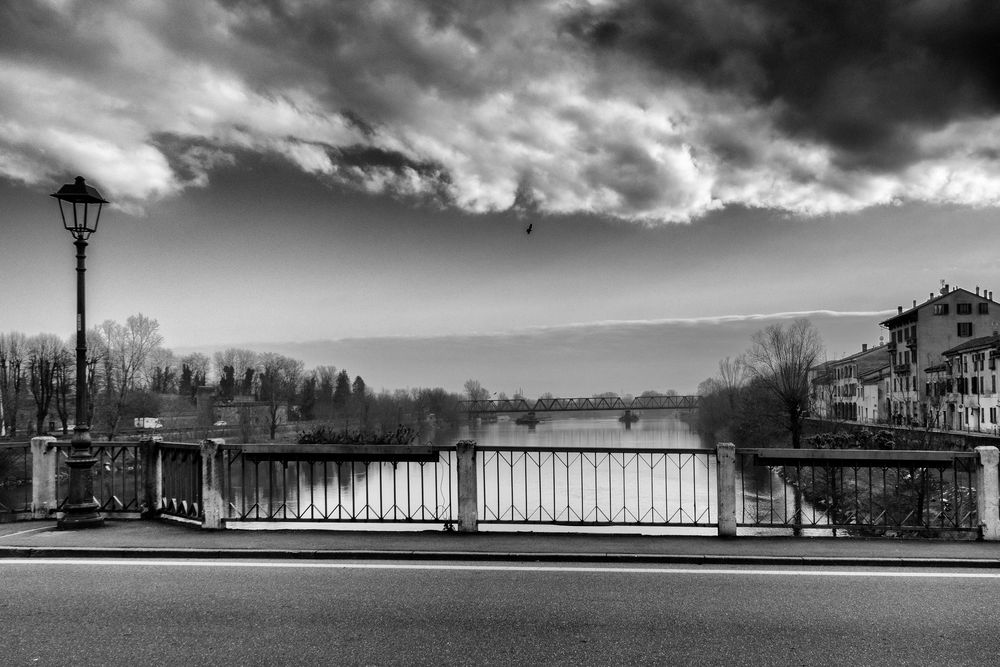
column 160, row 371
column 476, row 391
column 13, row 350
column 279, row 378
column 244, row 364
column 128, row 349
column 43, row 360
column 65, row 382
column 779, row 358
column 733, row 376
column 199, row 363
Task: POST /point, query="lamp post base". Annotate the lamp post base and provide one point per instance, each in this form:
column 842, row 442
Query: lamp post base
column 78, row 516
column 81, row 509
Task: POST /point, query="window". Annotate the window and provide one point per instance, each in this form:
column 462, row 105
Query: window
column 975, row 385
column 965, row 329
column 984, row 308
column 964, row 309
column 940, row 309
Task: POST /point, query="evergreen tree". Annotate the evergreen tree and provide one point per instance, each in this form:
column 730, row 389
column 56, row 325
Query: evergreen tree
column 342, row 390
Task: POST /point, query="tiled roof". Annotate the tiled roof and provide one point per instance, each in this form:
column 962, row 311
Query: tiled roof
column 973, row 344
column 909, row 311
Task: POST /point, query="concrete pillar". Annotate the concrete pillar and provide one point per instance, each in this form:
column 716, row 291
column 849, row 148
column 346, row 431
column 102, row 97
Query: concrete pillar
column 725, row 454
column 152, row 472
column 468, row 500
column 988, row 492
column 43, row 477
column 211, row 484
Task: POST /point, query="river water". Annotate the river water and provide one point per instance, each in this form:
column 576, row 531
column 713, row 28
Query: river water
column 517, row 490
column 657, row 432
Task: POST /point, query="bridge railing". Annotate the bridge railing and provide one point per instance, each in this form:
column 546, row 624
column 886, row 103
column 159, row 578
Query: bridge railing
column 596, row 486
column 853, row 491
column 176, row 480
column 338, row 483
column 15, row 480
column 118, row 478
column 863, row 492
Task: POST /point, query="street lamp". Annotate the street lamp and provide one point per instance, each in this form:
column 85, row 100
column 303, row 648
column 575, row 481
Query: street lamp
column 80, row 207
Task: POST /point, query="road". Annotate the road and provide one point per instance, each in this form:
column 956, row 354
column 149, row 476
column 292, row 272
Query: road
column 136, row 612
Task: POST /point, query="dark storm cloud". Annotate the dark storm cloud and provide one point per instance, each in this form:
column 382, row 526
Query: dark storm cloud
column 862, row 77
column 645, row 111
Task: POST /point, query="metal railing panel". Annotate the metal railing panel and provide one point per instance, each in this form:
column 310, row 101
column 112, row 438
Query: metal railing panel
column 331, row 490
column 597, row 486
column 118, row 476
column 181, row 494
column 15, row 479
column 863, row 493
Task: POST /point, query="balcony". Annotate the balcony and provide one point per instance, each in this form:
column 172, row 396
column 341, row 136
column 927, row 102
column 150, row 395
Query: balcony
column 901, row 369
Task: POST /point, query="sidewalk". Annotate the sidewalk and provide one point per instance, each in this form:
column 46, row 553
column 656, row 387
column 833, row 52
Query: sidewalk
column 156, row 539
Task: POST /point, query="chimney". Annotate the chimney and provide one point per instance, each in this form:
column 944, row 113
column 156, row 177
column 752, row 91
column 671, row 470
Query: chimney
column 864, row 347
column 914, row 303
column 899, row 310
column 931, row 295
column 947, row 288
column 977, row 290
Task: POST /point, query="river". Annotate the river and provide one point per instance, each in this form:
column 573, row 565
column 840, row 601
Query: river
column 519, row 490
column 605, row 431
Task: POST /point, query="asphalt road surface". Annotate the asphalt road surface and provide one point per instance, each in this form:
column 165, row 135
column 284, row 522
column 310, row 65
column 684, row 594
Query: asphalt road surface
column 139, row 612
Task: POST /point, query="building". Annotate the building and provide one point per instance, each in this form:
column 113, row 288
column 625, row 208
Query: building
column 918, row 338
column 820, row 400
column 874, row 388
column 962, row 391
column 846, row 389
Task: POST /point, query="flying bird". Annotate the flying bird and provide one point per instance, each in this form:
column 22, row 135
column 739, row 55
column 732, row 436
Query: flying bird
column 528, row 230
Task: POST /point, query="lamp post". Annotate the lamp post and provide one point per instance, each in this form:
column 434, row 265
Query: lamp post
column 80, row 207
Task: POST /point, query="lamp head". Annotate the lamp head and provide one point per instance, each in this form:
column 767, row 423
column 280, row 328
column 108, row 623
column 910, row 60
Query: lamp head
column 84, row 203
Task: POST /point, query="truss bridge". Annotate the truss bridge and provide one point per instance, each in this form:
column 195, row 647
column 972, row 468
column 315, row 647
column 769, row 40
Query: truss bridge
column 493, row 406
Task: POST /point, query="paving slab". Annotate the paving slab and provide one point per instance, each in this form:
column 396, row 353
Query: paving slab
column 147, row 539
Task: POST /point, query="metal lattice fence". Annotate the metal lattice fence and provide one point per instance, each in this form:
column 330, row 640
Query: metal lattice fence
column 276, row 487
column 597, row 487
column 863, row 492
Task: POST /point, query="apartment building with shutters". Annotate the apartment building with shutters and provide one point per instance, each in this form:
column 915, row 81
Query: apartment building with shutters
column 919, row 337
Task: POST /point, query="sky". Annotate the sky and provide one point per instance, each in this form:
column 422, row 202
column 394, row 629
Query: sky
column 354, row 181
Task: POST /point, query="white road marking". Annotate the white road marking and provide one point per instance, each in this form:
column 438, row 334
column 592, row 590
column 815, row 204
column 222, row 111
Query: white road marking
column 22, row 532
column 288, row 565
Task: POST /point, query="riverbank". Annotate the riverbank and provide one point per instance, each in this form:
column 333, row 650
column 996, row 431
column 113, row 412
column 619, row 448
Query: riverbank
column 907, row 437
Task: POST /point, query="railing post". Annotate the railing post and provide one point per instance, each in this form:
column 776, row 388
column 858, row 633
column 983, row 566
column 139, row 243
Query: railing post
column 988, row 492
column 468, row 501
column 43, row 477
column 152, row 468
column 211, row 484
column 725, row 454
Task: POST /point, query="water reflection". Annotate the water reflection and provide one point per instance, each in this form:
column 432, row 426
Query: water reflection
column 649, row 432
column 662, row 487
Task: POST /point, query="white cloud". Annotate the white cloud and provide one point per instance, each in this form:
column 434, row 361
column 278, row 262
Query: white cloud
column 494, row 98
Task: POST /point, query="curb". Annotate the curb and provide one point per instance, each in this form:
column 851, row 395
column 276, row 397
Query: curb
column 145, row 553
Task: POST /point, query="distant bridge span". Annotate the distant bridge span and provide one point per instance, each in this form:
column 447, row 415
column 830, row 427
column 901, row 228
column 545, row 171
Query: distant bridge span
column 575, row 404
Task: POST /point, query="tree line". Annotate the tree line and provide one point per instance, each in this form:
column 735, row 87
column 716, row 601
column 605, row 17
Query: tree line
column 761, row 397
column 131, row 374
